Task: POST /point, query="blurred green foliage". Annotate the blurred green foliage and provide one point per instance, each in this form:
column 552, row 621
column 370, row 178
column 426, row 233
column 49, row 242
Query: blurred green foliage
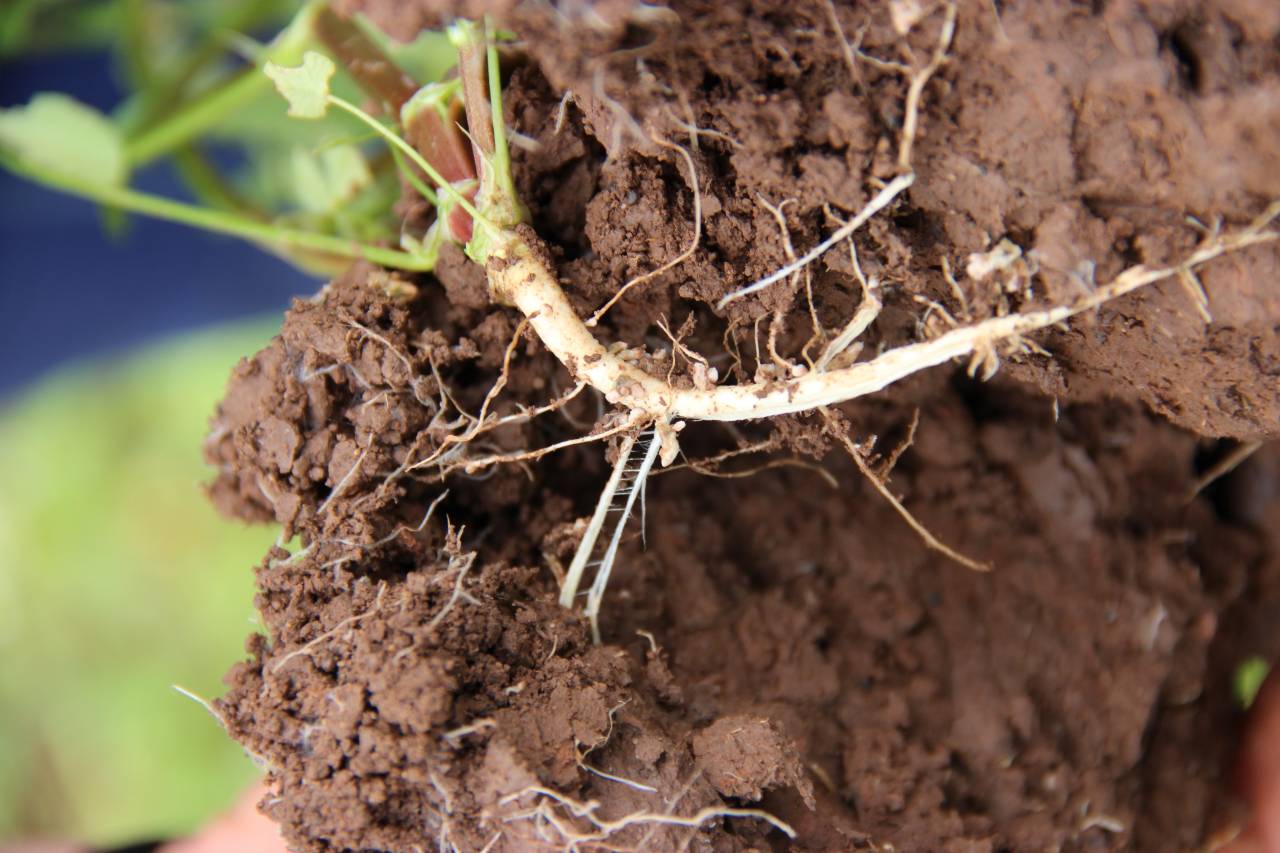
column 53, row 26
column 118, row 580
column 197, row 97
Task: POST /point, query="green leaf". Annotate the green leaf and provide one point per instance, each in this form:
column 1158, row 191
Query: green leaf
column 260, row 123
column 305, row 87
column 1248, row 680
column 59, row 134
column 322, row 181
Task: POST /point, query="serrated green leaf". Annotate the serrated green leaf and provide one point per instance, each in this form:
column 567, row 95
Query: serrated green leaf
column 305, row 87
column 324, row 180
column 59, row 134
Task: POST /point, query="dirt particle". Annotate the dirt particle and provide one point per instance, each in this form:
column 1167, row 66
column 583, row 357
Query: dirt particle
column 745, row 756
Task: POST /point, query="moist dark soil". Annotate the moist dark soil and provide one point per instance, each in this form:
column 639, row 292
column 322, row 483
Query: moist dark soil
column 780, row 639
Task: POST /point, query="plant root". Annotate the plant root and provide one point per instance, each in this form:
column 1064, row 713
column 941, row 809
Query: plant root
column 866, row 313
column 472, row 465
column 377, row 543
column 838, row 431
column 566, row 817
column 259, row 761
column 519, row 276
column 879, row 202
column 632, row 490
column 306, row 648
column 626, row 482
column 1223, row 467
column 911, row 113
column 710, row 466
column 678, row 259
column 460, row 564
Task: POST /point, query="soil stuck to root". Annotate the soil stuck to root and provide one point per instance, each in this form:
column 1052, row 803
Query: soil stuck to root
column 781, row 642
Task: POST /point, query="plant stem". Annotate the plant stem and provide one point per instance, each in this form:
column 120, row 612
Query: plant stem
column 430, row 124
column 38, row 28
column 412, row 177
column 133, row 45
column 409, row 151
column 364, row 60
column 207, row 185
column 218, row 221
column 199, row 116
column 149, row 104
column 500, row 164
column 466, row 37
column 194, row 119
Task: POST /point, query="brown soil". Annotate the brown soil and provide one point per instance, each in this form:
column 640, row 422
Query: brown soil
column 778, row 642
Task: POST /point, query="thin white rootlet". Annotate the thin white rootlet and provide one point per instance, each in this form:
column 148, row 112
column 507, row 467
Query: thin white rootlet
column 569, row 590
column 631, row 489
column 626, row 485
column 878, row 203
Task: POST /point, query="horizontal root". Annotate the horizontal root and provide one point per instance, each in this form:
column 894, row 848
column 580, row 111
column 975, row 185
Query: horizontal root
column 561, row 811
column 519, row 277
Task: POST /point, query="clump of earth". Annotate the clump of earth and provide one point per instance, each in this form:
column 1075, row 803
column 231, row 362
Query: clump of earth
column 780, row 642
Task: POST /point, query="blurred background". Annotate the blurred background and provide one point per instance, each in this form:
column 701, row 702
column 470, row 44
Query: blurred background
column 117, row 579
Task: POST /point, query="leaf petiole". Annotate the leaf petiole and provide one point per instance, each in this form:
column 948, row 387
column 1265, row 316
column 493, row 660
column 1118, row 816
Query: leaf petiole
column 218, row 221
column 409, row 151
column 199, row 116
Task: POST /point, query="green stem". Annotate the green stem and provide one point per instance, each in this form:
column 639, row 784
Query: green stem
column 207, row 185
column 414, row 181
column 501, row 163
column 147, row 105
column 364, row 60
column 218, row 221
column 409, row 151
column 39, row 28
column 192, row 120
column 199, row 116
column 15, row 25
column 133, row 41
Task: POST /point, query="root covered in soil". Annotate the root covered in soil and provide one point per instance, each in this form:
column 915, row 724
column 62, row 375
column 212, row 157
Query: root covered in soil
column 772, row 208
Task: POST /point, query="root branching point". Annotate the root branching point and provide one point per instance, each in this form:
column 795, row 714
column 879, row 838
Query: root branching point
column 523, row 281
